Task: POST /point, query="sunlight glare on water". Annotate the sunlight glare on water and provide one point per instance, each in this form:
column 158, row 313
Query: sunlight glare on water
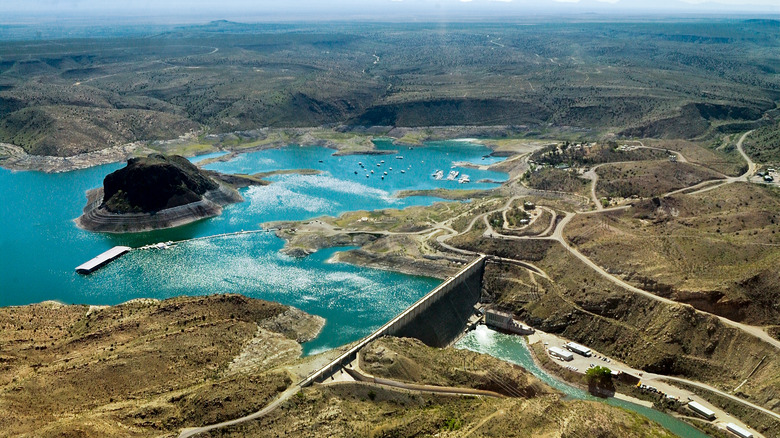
column 41, row 245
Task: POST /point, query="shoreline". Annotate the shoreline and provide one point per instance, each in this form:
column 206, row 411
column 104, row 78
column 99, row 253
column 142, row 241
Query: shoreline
column 355, row 141
column 96, row 219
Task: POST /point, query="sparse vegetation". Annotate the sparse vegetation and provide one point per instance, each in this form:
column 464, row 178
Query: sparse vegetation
column 666, row 80
column 142, row 368
column 647, row 179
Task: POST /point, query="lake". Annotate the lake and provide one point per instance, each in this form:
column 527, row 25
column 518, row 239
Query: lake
column 41, row 245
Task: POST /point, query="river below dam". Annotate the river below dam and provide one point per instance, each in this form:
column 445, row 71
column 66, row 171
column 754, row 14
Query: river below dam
column 41, row 245
column 512, row 348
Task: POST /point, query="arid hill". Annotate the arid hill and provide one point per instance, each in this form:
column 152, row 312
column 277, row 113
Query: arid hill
column 143, row 368
column 154, row 183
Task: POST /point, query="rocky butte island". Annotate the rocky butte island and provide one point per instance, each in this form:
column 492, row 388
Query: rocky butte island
column 155, row 192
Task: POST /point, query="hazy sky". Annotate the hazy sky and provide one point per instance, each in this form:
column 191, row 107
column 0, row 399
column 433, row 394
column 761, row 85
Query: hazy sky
column 378, row 8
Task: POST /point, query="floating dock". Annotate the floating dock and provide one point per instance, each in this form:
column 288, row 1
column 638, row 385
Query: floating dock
column 102, row 260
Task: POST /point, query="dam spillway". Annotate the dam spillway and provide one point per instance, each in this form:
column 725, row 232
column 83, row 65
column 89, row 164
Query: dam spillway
column 437, row 319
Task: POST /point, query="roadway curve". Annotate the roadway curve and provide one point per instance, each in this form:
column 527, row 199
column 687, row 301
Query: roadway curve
column 356, row 374
column 745, row 177
column 715, row 390
column 557, row 235
column 749, row 329
column 283, row 397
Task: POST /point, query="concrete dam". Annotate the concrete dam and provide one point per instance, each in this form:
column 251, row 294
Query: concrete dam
column 437, row 319
column 440, row 320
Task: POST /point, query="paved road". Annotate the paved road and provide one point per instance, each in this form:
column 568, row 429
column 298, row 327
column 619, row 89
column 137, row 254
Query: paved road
column 557, row 235
column 594, row 179
column 717, row 391
column 659, row 381
column 360, row 376
column 751, row 165
column 283, row 397
column 749, row 329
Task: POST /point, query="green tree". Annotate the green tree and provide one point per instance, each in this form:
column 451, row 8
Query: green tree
column 599, row 375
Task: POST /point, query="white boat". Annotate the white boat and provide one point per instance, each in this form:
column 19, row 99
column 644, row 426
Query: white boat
column 464, row 179
column 453, row 174
column 385, row 173
column 439, row 174
column 372, row 171
column 382, row 161
column 403, row 171
column 399, row 157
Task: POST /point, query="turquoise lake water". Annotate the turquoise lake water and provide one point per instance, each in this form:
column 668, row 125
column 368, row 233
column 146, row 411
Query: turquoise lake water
column 41, row 246
column 513, row 349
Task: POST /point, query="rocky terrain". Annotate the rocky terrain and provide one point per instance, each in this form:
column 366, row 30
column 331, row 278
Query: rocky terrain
column 155, row 192
column 70, row 96
column 352, row 409
column 143, row 368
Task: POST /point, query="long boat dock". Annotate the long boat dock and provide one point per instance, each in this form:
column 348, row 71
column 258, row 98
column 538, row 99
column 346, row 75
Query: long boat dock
column 102, row 260
column 118, row 251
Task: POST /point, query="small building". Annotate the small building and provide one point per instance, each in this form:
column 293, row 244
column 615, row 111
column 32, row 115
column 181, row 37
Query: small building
column 504, row 321
column 738, row 431
column 701, row 410
column 768, row 178
column 494, row 318
column 560, row 353
column 579, row 349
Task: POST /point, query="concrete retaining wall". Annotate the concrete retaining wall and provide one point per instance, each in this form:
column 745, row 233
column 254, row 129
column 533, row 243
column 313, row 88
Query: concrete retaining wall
column 436, row 319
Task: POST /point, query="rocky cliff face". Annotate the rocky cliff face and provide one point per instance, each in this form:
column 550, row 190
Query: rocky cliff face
column 154, row 183
column 155, row 192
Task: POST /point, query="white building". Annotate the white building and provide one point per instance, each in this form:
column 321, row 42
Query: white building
column 560, row 353
column 736, row 430
column 579, row 349
column 701, row 410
